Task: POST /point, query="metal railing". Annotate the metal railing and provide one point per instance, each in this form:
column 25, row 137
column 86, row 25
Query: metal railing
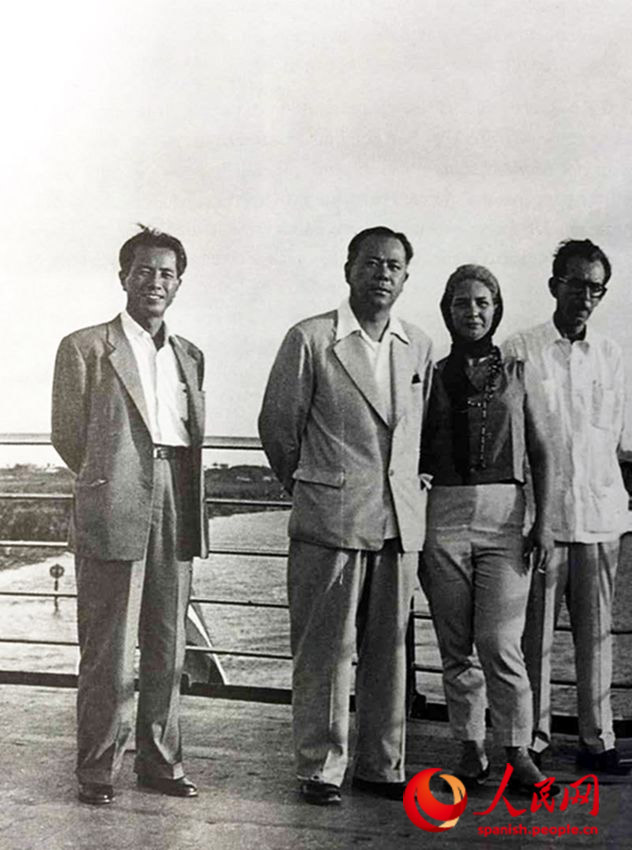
column 420, row 707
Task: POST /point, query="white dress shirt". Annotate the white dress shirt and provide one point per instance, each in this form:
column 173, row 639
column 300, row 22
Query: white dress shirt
column 584, row 387
column 165, row 392
column 379, row 355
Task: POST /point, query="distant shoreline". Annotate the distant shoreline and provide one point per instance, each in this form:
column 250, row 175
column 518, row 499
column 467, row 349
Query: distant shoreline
column 48, row 521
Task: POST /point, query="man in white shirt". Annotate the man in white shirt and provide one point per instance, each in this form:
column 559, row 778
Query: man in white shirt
column 340, row 424
column 582, row 373
column 128, row 420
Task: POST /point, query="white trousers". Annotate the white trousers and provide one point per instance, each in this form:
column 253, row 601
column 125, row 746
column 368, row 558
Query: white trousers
column 342, row 600
column 584, row 574
column 477, row 585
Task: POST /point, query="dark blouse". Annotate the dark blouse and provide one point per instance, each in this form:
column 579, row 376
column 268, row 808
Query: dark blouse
column 493, row 433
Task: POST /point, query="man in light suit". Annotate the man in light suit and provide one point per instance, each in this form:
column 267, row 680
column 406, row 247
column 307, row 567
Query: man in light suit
column 128, row 419
column 340, row 424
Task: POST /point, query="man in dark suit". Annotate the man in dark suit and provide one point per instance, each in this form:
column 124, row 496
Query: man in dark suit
column 128, row 419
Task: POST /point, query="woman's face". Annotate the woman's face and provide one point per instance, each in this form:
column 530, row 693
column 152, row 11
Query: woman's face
column 472, row 310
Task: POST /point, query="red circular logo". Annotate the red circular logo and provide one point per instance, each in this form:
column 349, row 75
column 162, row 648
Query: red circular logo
column 418, row 796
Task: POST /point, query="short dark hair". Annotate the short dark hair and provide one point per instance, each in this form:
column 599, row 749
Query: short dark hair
column 149, row 237
column 356, row 243
column 583, row 248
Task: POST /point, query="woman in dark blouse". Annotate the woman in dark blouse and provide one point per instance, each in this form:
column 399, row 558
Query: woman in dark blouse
column 485, row 415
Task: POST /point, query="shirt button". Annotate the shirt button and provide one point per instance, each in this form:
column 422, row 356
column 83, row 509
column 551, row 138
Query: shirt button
column 391, row 472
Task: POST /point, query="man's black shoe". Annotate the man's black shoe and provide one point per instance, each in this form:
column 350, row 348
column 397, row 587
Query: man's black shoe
column 390, row 790
column 181, row 787
column 607, row 761
column 320, row 793
column 95, row 793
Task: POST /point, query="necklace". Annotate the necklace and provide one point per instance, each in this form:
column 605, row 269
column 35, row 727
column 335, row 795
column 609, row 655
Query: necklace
column 494, row 367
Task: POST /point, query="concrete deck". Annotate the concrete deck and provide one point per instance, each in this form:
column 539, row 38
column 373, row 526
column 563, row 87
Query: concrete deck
column 240, row 756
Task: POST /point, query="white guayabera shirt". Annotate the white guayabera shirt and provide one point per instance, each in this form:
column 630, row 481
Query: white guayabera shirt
column 585, row 391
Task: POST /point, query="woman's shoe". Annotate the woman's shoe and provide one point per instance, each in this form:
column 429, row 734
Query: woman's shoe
column 473, row 758
column 473, row 782
column 526, row 775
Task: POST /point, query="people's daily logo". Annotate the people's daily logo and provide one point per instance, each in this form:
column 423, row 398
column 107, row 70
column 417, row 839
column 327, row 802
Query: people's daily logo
column 428, row 813
column 419, row 801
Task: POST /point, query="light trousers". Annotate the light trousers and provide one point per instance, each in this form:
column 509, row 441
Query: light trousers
column 584, row 574
column 342, row 600
column 118, row 602
column 476, row 581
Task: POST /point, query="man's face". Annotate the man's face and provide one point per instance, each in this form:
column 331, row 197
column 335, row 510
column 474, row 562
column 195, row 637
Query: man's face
column 578, row 293
column 151, row 283
column 377, row 275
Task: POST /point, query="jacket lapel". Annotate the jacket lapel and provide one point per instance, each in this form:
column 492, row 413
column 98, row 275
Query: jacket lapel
column 188, row 368
column 350, row 352
column 124, row 364
column 402, row 371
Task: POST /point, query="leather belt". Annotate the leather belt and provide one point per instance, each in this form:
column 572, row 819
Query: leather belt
column 168, row 452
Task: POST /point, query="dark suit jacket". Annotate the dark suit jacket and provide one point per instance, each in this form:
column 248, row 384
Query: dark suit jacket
column 101, row 430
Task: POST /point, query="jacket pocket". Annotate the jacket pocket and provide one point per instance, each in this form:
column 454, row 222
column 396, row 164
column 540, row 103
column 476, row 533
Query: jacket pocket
column 327, row 477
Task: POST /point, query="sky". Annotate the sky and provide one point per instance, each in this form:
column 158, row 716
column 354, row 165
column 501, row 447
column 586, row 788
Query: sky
column 266, row 134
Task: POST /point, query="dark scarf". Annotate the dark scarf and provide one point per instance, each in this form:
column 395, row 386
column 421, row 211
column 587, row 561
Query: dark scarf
column 456, row 381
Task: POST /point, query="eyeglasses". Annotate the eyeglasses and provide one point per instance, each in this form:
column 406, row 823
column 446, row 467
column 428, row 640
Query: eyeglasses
column 578, row 287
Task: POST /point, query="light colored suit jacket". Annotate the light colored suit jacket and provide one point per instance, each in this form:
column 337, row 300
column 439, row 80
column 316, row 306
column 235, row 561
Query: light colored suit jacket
column 325, row 432
column 101, row 430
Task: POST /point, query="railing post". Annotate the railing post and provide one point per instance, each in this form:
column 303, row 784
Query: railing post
column 415, row 702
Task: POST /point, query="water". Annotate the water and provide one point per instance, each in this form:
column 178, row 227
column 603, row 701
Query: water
column 258, row 579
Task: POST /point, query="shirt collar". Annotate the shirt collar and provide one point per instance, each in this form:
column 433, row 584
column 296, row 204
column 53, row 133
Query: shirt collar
column 555, row 336
column 348, row 324
column 132, row 329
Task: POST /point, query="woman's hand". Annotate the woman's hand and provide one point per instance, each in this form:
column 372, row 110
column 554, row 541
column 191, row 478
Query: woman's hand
column 539, row 542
